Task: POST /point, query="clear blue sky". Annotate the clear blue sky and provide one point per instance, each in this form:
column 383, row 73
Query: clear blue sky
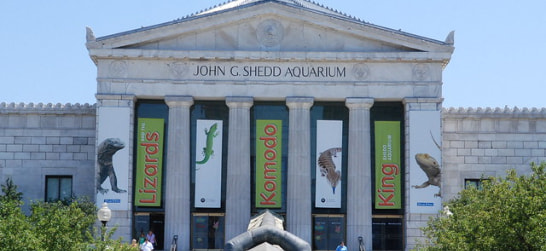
column 500, row 46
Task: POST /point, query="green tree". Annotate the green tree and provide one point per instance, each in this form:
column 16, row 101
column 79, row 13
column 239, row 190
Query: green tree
column 15, row 230
column 16, row 233
column 10, row 192
column 59, row 225
column 504, row 214
column 51, row 226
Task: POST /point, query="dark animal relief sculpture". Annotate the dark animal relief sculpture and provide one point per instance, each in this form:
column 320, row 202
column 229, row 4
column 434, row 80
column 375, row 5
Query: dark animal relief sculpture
column 105, row 153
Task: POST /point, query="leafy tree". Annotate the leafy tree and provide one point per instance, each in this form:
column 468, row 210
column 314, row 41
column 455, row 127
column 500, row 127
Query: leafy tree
column 51, row 226
column 16, row 233
column 10, row 192
column 504, row 214
column 109, row 243
column 58, row 225
column 15, row 230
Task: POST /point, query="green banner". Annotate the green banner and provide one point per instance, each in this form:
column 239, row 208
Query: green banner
column 149, row 162
column 268, row 163
column 388, row 191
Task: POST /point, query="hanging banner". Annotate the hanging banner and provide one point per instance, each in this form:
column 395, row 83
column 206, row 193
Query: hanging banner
column 149, row 162
column 208, row 164
column 268, row 163
column 425, row 159
column 112, row 180
column 328, row 164
column 388, row 190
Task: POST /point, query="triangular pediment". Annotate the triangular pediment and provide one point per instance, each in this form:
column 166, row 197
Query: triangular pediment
column 269, row 25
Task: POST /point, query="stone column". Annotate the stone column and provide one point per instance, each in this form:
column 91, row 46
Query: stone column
column 298, row 201
column 238, row 167
column 359, row 180
column 177, row 185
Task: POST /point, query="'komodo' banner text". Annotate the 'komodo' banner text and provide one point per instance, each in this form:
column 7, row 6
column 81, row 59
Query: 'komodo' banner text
column 387, row 165
column 268, row 163
column 149, row 164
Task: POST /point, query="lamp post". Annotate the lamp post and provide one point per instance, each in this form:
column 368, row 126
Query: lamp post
column 104, row 214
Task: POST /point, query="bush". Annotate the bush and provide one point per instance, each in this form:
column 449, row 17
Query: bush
column 504, row 214
column 51, row 226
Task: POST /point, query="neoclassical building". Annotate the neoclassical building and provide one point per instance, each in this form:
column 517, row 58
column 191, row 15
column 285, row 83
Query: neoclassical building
column 331, row 122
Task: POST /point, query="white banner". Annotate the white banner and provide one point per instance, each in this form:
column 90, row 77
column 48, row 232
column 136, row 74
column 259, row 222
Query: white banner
column 328, row 164
column 208, row 163
column 425, row 161
column 112, row 177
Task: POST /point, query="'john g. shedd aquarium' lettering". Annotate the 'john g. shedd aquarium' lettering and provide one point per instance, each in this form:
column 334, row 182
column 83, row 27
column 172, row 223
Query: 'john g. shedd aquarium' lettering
column 269, row 71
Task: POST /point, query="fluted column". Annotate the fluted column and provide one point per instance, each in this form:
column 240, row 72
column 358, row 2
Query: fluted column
column 238, row 167
column 298, row 211
column 177, row 194
column 359, row 180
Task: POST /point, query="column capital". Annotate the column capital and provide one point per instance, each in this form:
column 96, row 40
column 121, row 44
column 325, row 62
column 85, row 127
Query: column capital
column 179, row 101
column 359, row 103
column 234, row 102
column 299, row 102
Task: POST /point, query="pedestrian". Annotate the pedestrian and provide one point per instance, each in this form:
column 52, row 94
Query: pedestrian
column 151, row 237
column 341, row 247
column 146, row 246
column 142, row 238
column 134, row 243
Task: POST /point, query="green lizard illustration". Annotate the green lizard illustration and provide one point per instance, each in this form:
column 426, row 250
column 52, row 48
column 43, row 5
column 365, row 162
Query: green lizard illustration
column 207, row 150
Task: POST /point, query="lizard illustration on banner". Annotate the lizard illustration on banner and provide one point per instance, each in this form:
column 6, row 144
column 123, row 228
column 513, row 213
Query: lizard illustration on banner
column 207, row 150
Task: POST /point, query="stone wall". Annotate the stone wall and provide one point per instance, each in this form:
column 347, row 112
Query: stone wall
column 45, row 139
column 480, row 142
column 488, row 142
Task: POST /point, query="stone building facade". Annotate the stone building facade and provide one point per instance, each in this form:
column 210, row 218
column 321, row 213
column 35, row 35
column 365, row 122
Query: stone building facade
column 41, row 142
column 346, row 110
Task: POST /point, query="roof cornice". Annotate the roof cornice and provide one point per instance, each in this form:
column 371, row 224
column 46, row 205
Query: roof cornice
column 269, row 55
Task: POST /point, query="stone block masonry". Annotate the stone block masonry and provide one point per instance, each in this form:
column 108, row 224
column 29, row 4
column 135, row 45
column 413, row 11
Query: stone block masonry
column 488, row 142
column 41, row 140
column 46, row 139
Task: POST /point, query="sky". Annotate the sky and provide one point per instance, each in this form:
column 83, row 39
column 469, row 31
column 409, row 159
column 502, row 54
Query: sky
column 500, row 46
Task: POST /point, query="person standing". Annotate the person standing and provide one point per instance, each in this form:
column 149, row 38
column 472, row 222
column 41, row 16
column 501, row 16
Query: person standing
column 341, row 247
column 151, row 237
column 134, row 244
column 146, row 246
column 142, row 238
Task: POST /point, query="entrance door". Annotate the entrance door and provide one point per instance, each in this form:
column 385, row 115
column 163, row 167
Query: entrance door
column 387, row 234
column 157, row 225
